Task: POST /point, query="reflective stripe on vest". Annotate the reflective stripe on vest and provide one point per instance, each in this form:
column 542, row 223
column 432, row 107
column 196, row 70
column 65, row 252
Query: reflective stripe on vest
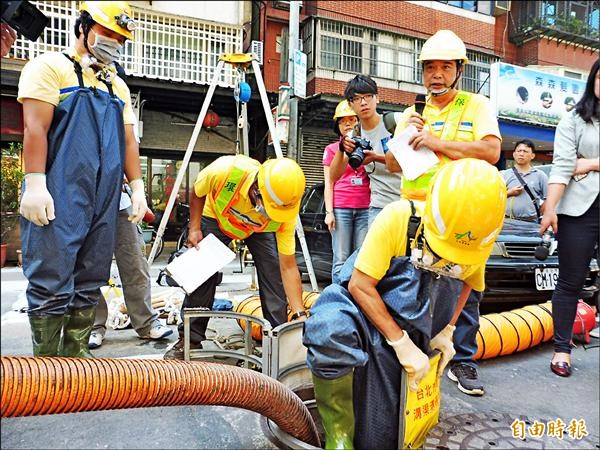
column 417, row 189
column 227, row 194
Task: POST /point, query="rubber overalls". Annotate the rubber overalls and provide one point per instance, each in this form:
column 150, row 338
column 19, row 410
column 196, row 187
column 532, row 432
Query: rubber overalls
column 67, row 261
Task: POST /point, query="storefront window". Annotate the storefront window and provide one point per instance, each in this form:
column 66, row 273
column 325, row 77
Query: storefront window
column 160, row 176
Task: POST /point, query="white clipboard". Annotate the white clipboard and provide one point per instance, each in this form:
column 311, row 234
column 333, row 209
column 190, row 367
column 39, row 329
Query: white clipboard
column 414, row 163
column 198, row 264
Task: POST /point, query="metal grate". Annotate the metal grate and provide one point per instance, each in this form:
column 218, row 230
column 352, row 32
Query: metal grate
column 517, row 250
column 166, row 46
column 314, row 142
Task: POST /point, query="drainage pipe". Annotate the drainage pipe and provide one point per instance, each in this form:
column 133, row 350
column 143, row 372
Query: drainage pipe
column 38, row 386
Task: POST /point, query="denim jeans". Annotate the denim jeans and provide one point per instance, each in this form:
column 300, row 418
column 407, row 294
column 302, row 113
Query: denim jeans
column 465, row 335
column 373, row 211
column 577, row 237
column 350, row 229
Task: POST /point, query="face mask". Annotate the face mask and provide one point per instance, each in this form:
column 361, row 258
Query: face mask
column 424, row 258
column 105, row 49
column 260, row 207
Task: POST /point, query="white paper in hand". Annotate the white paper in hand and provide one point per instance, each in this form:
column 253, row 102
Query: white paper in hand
column 197, row 265
column 414, row 163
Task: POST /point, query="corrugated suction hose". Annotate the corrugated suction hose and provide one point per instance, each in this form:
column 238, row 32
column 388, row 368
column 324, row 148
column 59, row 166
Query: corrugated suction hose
column 514, row 331
column 37, row 386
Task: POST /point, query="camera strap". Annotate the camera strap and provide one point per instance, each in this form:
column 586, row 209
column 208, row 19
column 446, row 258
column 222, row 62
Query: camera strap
column 528, row 190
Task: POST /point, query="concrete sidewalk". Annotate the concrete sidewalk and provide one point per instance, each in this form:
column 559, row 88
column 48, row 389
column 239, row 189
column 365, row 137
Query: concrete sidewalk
column 519, row 386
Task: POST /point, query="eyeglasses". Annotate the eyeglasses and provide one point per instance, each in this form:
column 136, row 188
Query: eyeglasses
column 357, row 99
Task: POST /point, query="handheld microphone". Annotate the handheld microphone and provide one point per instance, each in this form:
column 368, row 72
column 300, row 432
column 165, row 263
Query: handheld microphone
column 420, row 100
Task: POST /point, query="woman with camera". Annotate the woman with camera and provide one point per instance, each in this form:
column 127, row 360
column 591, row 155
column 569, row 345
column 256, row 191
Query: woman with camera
column 347, row 194
column 571, row 209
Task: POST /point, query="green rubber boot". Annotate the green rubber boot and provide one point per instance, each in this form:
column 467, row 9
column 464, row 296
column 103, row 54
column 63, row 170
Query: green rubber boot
column 76, row 334
column 334, row 402
column 45, row 334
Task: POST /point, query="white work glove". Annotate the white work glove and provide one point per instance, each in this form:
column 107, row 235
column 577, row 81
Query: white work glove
column 414, row 361
column 37, row 204
column 443, row 342
column 138, row 201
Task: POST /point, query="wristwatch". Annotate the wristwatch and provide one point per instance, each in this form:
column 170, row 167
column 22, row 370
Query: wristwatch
column 298, row 314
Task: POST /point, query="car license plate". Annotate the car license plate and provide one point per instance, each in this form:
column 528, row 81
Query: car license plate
column 545, row 279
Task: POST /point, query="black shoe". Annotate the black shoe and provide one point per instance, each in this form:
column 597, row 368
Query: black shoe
column 467, row 379
column 176, row 352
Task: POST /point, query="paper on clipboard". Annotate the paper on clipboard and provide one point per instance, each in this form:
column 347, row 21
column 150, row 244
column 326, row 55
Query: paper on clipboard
column 197, row 265
column 414, row 163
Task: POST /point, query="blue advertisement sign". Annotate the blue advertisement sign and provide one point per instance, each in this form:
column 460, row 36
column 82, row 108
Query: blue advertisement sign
column 532, row 96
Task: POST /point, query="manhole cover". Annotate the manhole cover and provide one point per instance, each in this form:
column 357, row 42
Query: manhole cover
column 493, row 431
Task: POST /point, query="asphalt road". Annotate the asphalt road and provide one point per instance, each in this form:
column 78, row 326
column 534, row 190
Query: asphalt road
column 517, row 386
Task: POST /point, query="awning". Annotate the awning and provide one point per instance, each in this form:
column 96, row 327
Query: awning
column 512, row 132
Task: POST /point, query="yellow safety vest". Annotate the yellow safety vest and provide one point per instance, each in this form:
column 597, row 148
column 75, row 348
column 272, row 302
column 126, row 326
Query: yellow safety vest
column 417, row 189
column 226, row 195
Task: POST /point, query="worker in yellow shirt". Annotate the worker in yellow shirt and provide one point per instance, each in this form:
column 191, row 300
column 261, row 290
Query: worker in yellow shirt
column 398, row 301
column 236, row 197
column 454, row 124
column 77, row 143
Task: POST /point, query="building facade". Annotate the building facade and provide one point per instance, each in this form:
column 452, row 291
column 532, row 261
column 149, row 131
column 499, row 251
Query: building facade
column 383, row 39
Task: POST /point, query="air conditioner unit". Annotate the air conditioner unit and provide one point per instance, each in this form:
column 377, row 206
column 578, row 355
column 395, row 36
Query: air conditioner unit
column 283, row 4
column 501, row 7
column 256, row 47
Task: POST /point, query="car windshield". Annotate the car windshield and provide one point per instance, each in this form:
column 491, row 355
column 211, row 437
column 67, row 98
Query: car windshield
column 520, row 228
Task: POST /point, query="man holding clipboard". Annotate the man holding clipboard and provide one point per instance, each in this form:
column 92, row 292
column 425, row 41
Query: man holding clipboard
column 236, row 197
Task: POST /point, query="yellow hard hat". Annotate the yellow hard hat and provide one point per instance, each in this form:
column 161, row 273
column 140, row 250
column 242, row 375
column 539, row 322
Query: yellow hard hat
column 115, row 16
column 464, row 211
column 281, row 183
column 444, row 46
column 343, row 109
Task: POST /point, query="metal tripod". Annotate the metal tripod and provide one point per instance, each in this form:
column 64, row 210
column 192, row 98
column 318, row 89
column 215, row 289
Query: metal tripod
column 241, row 61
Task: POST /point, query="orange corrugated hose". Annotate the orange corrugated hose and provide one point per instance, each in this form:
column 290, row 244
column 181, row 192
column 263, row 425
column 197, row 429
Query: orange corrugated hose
column 514, row 331
column 36, row 386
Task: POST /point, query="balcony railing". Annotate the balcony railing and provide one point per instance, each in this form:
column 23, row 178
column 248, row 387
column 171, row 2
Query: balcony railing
column 573, row 21
column 166, row 47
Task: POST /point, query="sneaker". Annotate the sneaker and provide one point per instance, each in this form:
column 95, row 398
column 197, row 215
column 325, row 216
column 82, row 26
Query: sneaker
column 176, row 352
column 96, row 338
column 467, row 379
column 157, row 331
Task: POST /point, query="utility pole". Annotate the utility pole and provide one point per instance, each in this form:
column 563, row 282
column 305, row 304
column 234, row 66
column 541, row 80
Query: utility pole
column 294, row 33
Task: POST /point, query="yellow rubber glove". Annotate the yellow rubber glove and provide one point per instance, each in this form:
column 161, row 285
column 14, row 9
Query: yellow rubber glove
column 443, row 342
column 37, row 204
column 414, row 361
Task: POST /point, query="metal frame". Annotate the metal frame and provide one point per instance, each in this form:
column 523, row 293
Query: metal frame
column 241, row 61
column 247, row 356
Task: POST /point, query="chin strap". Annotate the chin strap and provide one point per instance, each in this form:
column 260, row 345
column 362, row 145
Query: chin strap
column 459, row 66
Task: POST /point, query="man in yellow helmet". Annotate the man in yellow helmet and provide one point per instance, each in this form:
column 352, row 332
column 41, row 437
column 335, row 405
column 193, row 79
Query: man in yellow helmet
column 236, row 197
column 398, row 300
column 78, row 141
column 454, row 124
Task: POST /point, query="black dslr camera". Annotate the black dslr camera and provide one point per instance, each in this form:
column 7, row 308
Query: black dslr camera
column 358, row 155
column 25, row 18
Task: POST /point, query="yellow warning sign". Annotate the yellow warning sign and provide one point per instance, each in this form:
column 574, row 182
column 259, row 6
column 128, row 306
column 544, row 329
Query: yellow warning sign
column 422, row 408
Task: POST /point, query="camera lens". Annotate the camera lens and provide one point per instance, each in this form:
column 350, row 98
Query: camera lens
column 356, row 158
